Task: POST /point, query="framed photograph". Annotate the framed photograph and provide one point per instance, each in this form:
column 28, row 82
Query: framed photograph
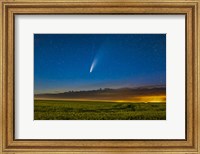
column 112, row 76
column 99, row 76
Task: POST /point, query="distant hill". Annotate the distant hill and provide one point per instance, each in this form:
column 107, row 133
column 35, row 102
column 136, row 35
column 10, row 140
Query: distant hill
column 139, row 94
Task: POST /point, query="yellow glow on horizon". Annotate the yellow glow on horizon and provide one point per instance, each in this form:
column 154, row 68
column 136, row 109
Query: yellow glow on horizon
column 161, row 98
column 135, row 99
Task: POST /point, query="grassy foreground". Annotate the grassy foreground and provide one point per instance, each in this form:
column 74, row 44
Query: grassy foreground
column 94, row 110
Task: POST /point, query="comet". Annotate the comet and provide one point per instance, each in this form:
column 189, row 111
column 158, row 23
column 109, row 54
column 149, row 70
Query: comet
column 93, row 65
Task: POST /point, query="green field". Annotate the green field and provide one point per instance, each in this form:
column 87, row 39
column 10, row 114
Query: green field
column 95, row 110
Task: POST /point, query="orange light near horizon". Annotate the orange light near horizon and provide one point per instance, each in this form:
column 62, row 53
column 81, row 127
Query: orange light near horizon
column 161, row 98
column 134, row 99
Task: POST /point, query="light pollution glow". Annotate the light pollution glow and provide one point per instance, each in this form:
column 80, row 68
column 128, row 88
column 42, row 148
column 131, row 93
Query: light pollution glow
column 137, row 99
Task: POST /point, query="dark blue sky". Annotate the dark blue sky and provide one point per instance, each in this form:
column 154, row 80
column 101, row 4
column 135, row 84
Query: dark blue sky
column 62, row 62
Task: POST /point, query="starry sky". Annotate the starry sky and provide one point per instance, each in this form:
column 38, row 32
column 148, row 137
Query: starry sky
column 73, row 62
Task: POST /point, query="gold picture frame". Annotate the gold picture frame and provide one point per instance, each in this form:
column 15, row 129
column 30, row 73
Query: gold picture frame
column 9, row 8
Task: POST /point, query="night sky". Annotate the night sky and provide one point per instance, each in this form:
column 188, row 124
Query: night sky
column 66, row 62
